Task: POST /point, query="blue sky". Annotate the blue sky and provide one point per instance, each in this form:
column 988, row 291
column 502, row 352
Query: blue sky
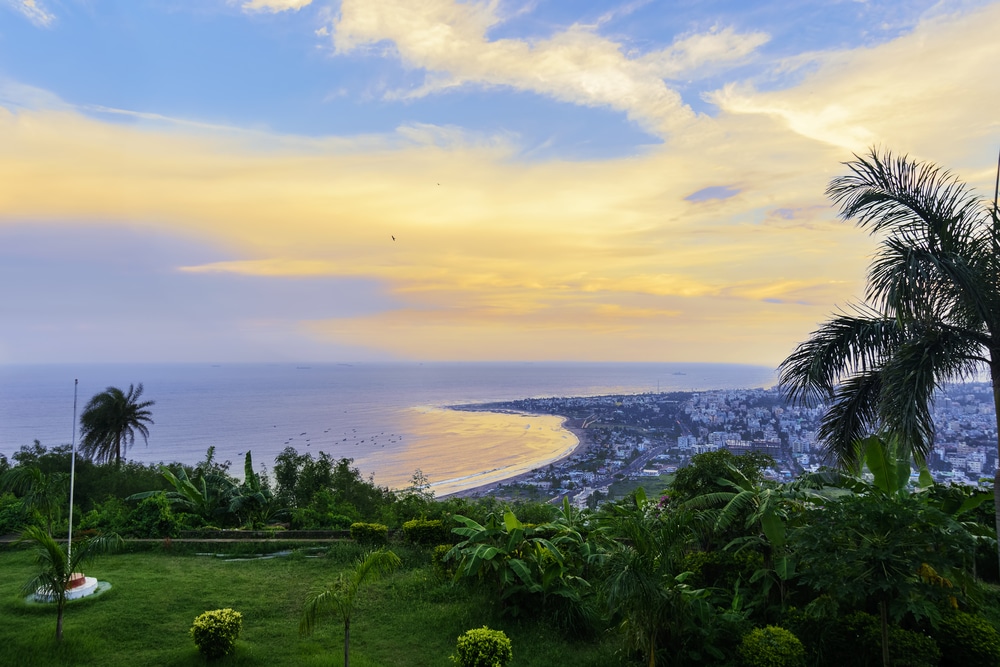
column 222, row 180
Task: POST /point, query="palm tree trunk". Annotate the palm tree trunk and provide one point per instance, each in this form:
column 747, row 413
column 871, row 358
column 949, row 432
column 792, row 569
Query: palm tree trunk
column 347, row 642
column 60, row 605
column 652, row 649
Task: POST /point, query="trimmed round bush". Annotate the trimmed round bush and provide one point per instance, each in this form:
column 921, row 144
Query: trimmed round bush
column 215, row 632
column 482, row 647
column 370, row 534
column 771, row 646
column 425, row 532
column 967, row 640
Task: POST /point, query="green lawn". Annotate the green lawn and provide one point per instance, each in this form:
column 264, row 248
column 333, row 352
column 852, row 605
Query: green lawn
column 410, row 619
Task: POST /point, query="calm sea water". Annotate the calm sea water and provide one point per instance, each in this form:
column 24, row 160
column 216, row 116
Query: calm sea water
column 390, row 418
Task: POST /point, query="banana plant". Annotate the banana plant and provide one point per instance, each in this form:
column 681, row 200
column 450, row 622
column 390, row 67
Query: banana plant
column 521, row 561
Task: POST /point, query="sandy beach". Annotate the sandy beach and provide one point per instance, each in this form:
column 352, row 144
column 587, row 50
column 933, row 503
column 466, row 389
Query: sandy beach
column 574, row 426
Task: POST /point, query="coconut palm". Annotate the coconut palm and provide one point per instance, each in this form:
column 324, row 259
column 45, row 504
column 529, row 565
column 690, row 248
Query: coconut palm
column 342, row 594
column 931, row 313
column 57, row 567
column 110, row 421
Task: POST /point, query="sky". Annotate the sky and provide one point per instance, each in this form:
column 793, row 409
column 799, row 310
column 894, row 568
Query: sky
column 488, row 180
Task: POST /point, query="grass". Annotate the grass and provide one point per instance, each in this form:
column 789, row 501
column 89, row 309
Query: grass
column 412, row 618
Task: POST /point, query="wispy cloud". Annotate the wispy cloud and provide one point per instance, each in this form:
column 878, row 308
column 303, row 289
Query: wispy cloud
column 274, row 6
column 576, row 65
column 34, row 11
column 482, row 255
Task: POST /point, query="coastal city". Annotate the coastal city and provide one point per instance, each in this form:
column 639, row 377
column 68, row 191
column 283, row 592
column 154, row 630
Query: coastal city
column 626, row 439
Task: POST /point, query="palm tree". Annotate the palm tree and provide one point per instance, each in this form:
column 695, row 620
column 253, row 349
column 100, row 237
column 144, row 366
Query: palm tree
column 341, row 596
column 931, row 313
column 57, row 567
column 644, row 583
column 110, row 421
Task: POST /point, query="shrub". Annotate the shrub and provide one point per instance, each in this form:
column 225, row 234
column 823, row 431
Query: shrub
column 771, row 646
column 13, row 515
column 856, row 639
column 483, row 647
column 424, row 532
column 215, row 632
column 967, row 640
column 721, row 569
column 441, row 566
column 110, row 516
column 370, row 533
column 153, row 518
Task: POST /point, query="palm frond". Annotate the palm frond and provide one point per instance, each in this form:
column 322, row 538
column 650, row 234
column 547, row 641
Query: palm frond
column 852, row 416
column 844, row 346
column 884, row 193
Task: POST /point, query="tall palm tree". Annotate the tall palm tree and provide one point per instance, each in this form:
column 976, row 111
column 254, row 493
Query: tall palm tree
column 57, row 567
column 110, row 421
column 341, row 596
column 931, row 313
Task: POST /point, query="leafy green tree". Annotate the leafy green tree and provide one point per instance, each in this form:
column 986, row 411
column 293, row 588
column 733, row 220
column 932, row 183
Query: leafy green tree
column 705, row 471
column 887, row 550
column 45, row 494
column 57, row 567
column 341, row 596
column 931, row 312
column 110, row 421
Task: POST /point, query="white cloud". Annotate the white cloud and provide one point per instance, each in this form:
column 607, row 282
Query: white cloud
column 34, row 11
column 577, row 65
column 924, row 93
column 274, row 6
column 705, row 51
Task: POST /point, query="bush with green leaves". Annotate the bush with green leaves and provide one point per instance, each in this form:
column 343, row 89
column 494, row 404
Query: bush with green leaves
column 13, row 514
column 215, row 632
column 110, row 516
column 370, row 534
column 967, row 640
column 153, row 518
column 425, row 532
column 483, row 647
column 442, row 567
column 771, row 646
column 856, row 640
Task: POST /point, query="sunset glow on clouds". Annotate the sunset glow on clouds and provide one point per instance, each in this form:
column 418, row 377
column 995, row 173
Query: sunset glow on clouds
column 431, row 179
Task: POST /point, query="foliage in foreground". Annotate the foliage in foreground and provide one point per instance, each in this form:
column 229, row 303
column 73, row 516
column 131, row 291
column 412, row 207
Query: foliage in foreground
column 215, row 632
column 483, row 647
column 771, row 646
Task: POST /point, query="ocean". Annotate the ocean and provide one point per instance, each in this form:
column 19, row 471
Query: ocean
column 391, row 418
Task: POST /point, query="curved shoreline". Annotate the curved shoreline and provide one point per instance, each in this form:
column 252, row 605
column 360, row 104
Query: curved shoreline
column 573, row 426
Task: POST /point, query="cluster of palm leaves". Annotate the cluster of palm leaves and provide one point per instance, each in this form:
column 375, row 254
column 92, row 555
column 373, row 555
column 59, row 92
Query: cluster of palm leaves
column 110, row 422
column 931, row 312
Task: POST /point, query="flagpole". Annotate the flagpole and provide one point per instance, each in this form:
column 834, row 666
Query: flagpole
column 72, row 477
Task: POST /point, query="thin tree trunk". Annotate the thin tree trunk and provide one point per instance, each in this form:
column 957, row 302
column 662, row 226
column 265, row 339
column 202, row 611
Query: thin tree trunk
column 59, row 620
column 995, row 377
column 347, row 642
column 883, row 607
column 652, row 649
